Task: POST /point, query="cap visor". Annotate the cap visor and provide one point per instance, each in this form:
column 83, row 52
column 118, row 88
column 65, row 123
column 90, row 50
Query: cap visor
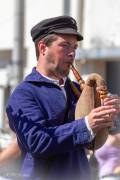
column 69, row 31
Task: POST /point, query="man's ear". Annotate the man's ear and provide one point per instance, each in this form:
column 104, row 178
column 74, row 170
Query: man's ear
column 41, row 47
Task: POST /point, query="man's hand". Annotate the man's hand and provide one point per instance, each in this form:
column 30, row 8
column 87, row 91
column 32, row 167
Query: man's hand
column 114, row 100
column 100, row 118
column 104, row 115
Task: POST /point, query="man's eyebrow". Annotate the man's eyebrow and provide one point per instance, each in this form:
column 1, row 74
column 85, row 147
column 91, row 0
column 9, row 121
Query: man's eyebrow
column 66, row 42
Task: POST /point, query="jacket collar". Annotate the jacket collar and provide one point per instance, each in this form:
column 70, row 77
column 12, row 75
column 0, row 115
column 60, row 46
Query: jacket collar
column 35, row 76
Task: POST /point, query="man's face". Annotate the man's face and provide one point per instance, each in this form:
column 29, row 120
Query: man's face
column 60, row 55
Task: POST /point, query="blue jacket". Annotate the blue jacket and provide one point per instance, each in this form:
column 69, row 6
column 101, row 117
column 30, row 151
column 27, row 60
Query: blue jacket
column 51, row 141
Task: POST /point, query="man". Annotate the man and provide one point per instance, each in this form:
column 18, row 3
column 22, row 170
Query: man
column 41, row 110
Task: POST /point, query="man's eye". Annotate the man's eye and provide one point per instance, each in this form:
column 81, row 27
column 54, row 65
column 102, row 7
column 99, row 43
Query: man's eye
column 65, row 46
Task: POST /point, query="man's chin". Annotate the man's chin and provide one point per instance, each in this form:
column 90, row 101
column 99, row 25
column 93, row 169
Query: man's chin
column 64, row 73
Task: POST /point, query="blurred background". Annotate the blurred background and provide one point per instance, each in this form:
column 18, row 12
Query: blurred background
column 99, row 52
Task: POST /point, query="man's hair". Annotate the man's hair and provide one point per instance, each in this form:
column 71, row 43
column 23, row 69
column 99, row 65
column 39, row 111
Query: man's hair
column 48, row 40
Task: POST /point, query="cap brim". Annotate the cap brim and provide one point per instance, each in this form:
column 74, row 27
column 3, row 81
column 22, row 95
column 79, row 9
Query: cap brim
column 69, row 31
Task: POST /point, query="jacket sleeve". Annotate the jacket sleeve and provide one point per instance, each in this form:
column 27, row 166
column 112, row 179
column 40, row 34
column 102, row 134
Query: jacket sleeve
column 28, row 121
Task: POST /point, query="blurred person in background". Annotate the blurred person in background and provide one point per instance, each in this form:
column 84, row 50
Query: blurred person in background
column 10, row 153
column 10, row 158
column 108, row 156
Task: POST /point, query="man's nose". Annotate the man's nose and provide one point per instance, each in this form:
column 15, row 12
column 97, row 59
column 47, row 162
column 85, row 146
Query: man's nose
column 72, row 53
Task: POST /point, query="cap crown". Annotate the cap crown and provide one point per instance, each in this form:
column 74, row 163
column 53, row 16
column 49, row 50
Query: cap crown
column 51, row 25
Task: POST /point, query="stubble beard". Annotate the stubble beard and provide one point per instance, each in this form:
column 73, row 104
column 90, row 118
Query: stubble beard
column 55, row 70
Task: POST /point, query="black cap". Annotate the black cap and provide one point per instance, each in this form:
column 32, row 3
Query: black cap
column 57, row 25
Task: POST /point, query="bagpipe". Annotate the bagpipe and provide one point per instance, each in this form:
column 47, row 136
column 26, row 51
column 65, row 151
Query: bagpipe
column 93, row 91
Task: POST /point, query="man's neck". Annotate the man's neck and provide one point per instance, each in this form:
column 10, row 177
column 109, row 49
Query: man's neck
column 47, row 74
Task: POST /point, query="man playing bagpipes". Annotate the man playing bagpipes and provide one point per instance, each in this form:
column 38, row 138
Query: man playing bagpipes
column 41, row 110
